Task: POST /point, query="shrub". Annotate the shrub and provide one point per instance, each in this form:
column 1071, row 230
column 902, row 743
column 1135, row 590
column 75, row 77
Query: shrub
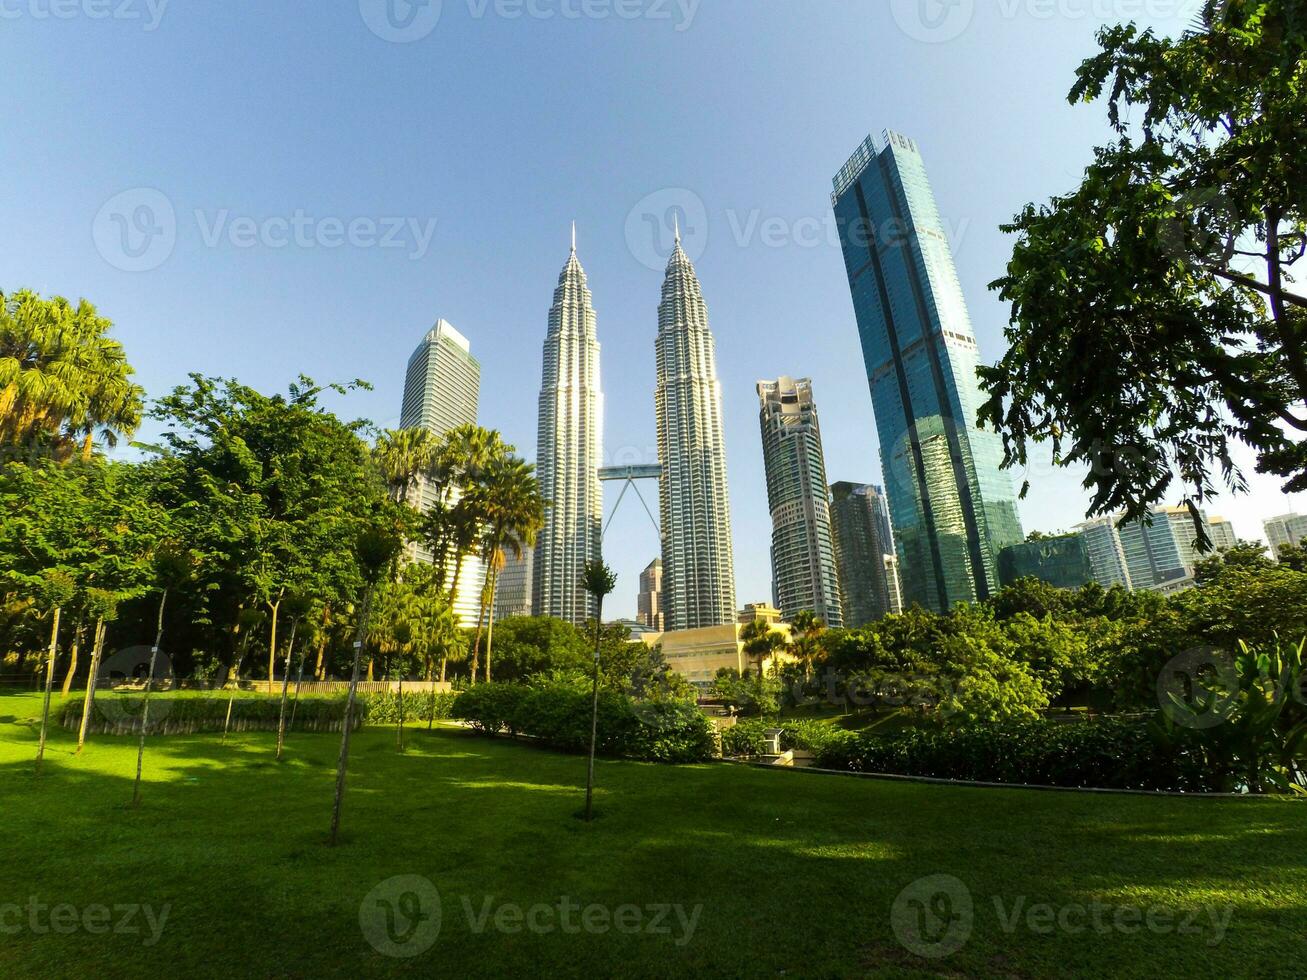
column 383, row 709
column 557, row 711
column 746, row 737
column 1107, row 754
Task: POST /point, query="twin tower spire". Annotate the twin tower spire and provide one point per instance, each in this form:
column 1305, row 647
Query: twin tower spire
column 698, row 567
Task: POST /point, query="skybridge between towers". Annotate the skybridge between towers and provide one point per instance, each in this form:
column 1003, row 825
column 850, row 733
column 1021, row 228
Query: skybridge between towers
column 630, row 476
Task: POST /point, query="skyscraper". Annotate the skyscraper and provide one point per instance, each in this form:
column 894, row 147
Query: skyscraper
column 802, row 553
column 698, row 567
column 1062, row 561
column 953, row 507
column 569, row 451
column 1289, row 529
column 649, row 603
column 1153, row 552
column 864, row 553
column 1218, row 529
column 441, row 389
column 1106, row 556
column 513, row 590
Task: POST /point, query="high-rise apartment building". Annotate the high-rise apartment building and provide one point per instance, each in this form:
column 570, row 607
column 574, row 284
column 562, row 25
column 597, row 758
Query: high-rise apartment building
column 1219, row 532
column 952, row 505
column 649, row 609
column 569, row 451
column 1106, row 556
column 698, row 561
column 441, row 389
column 1153, row 552
column 803, row 551
column 1289, row 529
column 864, row 553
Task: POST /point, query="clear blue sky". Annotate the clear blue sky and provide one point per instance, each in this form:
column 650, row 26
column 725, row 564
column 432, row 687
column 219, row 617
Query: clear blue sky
column 503, row 127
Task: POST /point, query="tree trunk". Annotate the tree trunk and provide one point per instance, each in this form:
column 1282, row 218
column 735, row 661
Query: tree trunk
column 342, row 765
column 272, row 640
column 226, row 725
column 145, row 706
column 72, row 664
column 399, row 728
column 298, row 680
column 594, row 716
column 285, row 685
column 490, row 625
column 49, row 685
column 89, row 703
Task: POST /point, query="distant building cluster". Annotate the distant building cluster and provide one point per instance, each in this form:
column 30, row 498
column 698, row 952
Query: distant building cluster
column 942, row 529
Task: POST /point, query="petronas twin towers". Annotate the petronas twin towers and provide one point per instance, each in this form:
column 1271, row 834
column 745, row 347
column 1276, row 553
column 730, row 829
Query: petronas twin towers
column 698, row 569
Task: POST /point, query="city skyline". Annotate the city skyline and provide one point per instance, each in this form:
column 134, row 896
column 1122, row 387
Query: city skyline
column 757, row 207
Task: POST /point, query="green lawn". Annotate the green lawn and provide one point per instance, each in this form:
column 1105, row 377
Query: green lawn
column 796, row 875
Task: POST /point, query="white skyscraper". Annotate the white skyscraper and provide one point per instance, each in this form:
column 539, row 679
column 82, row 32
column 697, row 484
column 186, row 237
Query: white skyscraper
column 441, row 391
column 569, row 451
column 698, row 567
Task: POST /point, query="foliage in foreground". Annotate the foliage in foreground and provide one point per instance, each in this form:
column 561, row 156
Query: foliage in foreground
column 558, row 713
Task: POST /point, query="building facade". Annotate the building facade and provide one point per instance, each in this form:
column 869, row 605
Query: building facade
column 513, row 588
column 649, row 608
column 1281, row 532
column 442, row 388
column 569, row 451
column 698, row 560
column 803, row 550
column 864, row 553
column 1061, row 561
column 1106, row 556
column 1153, row 553
column 952, row 505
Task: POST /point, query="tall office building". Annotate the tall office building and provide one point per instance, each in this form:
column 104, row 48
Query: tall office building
column 698, row 565
column 569, row 451
column 1153, row 552
column 1289, row 529
column 649, row 610
column 803, row 551
column 1106, row 556
column 513, row 590
column 441, row 389
column 1061, row 561
column 953, row 507
column 864, row 553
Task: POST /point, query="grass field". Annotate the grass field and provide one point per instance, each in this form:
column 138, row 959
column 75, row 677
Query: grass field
column 751, row 873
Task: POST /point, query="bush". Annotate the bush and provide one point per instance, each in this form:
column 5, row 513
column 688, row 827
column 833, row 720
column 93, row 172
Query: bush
column 557, row 711
column 746, row 737
column 1106, row 754
column 749, row 736
column 383, row 709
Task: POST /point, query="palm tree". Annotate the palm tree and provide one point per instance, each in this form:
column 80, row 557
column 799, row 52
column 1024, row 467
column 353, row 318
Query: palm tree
column 597, row 579
column 509, row 496
column 62, row 380
column 761, row 640
column 456, row 466
column 403, row 456
column 807, row 642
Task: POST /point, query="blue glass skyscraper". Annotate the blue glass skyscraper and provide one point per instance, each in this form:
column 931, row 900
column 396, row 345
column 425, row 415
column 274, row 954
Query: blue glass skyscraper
column 952, row 506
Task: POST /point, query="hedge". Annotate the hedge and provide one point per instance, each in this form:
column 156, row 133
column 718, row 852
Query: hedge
column 558, row 713
column 1108, row 754
column 747, row 737
column 119, row 714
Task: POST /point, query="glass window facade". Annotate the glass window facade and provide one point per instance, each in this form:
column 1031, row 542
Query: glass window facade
column 952, row 507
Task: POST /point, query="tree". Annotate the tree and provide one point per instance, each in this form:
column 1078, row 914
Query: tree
column 598, row 580
column 1174, row 254
column 509, row 498
column 56, row 589
column 62, row 380
column 761, row 640
column 403, row 456
column 375, row 549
